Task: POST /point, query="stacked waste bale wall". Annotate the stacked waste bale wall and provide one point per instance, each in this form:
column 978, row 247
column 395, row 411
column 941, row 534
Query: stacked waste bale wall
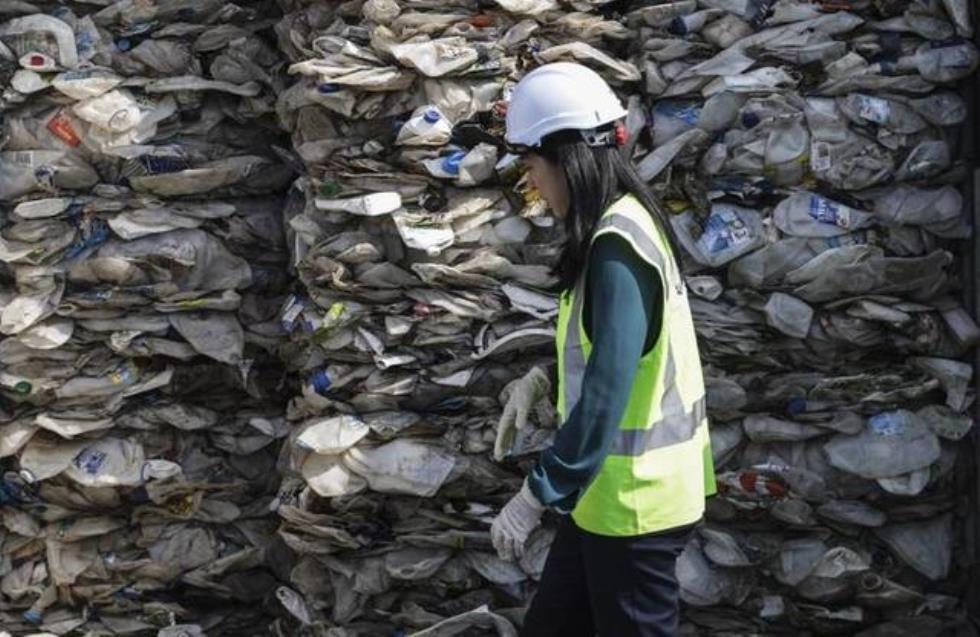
column 268, row 268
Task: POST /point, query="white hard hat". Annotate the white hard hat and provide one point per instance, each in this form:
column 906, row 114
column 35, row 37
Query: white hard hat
column 559, row 96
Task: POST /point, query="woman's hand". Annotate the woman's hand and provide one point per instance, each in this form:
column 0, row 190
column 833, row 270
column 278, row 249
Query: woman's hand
column 519, row 397
column 517, row 519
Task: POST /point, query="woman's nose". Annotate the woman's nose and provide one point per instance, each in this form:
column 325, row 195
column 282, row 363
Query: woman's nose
column 531, row 180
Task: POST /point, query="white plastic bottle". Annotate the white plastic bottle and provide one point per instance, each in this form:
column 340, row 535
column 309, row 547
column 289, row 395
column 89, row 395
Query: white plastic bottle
column 426, row 127
column 941, row 109
column 947, row 63
column 890, row 114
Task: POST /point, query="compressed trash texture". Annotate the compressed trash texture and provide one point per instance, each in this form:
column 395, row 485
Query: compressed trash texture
column 144, row 265
column 267, row 268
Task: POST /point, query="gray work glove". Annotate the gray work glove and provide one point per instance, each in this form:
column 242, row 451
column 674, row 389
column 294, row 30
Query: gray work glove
column 519, row 397
column 517, row 519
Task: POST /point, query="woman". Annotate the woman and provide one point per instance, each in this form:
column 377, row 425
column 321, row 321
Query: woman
column 631, row 461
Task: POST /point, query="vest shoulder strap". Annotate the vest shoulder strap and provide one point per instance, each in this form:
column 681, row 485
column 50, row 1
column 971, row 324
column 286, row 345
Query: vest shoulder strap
column 630, row 220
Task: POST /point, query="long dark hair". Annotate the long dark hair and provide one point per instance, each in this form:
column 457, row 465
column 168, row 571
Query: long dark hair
column 597, row 176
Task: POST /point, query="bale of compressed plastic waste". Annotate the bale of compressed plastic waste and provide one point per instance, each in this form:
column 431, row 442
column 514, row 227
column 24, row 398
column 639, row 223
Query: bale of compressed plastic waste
column 200, row 199
column 144, row 263
column 809, row 152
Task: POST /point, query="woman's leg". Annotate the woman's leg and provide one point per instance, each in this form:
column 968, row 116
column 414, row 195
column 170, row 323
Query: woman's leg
column 632, row 584
column 561, row 605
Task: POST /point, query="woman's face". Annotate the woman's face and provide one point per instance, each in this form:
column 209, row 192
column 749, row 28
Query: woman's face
column 549, row 179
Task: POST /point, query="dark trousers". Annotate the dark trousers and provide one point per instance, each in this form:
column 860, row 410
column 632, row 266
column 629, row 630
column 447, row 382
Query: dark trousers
column 607, row 586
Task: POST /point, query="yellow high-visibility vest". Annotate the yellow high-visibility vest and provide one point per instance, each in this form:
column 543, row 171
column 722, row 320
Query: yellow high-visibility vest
column 659, row 469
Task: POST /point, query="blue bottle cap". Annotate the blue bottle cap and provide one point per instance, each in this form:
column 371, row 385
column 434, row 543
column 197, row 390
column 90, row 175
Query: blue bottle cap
column 328, row 87
column 431, row 116
column 320, row 381
column 750, row 120
column 450, row 163
column 123, row 44
column 677, row 26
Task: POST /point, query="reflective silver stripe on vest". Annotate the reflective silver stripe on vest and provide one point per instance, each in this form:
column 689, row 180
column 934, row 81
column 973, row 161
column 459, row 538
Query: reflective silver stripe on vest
column 572, row 353
column 644, row 243
column 676, row 424
column 663, row 433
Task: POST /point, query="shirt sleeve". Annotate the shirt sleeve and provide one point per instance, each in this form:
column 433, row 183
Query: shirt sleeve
column 620, row 279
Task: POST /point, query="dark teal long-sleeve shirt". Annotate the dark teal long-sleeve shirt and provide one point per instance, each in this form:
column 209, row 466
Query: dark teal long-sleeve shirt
column 623, row 312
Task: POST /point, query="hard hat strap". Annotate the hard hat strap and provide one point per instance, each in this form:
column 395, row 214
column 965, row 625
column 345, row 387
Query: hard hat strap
column 599, row 137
